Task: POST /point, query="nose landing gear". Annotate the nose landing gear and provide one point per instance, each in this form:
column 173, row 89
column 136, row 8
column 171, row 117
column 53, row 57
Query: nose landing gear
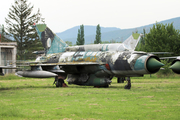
column 59, row 82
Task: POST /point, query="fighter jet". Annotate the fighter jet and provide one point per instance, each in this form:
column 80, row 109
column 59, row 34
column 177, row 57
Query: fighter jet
column 89, row 65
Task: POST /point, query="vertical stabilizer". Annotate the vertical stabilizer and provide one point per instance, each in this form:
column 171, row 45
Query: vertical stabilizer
column 132, row 42
column 51, row 42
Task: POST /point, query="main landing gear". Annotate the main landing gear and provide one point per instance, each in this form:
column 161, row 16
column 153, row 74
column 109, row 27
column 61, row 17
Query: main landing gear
column 59, row 82
column 122, row 79
column 128, row 86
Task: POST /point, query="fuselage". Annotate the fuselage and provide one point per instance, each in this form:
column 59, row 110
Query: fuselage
column 110, row 63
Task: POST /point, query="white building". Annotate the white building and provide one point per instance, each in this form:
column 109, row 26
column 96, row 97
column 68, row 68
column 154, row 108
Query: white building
column 8, row 52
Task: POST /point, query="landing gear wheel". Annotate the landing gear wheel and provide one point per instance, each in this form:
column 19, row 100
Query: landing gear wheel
column 128, row 86
column 59, row 83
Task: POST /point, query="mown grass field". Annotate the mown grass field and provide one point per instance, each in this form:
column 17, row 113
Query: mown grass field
column 149, row 98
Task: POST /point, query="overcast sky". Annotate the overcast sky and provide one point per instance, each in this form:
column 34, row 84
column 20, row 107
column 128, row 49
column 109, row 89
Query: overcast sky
column 61, row 15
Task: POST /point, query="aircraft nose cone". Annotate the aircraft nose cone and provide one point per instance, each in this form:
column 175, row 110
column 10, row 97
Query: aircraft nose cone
column 175, row 66
column 153, row 64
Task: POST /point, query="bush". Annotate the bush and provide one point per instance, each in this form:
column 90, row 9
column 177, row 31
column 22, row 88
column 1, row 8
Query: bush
column 165, row 71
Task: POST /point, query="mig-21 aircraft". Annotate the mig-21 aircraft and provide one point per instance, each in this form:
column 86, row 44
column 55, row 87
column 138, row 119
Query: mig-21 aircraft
column 90, row 65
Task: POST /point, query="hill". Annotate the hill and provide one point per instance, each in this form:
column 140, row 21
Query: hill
column 109, row 33
column 88, row 30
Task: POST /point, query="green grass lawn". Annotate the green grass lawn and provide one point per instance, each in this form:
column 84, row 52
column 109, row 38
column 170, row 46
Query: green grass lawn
column 149, row 98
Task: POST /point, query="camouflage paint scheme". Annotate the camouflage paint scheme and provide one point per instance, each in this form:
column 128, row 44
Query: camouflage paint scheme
column 93, row 65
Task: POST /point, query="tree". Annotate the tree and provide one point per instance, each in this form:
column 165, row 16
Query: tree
column 78, row 42
column 98, row 35
column 162, row 38
column 68, row 43
column 19, row 22
column 3, row 35
column 80, row 36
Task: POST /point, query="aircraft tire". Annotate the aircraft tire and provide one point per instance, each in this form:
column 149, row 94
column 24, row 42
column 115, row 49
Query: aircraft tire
column 59, row 83
column 127, row 87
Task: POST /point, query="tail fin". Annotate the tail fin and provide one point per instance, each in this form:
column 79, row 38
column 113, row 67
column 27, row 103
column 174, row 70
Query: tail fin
column 51, row 42
column 132, row 42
